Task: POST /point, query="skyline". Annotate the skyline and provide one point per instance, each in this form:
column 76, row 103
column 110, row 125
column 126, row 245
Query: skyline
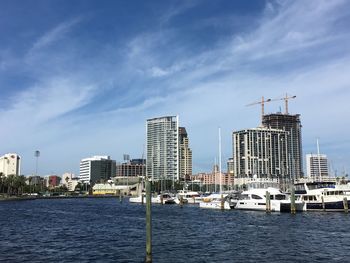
column 82, row 80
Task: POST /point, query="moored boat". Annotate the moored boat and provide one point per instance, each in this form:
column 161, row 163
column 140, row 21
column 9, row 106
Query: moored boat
column 164, row 198
column 190, row 197
column 323, row 195
column 255, row 199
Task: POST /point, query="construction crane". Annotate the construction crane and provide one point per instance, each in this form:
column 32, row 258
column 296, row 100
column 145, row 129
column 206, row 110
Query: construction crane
column 262, row 102
column 286, row 98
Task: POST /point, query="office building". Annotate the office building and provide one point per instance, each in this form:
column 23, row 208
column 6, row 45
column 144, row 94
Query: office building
column 10, row 163
column 96, row 169
column 185, row 154
column 260, row 153
column 163, row 148
column 317, row 165
column 133, row 168
column 291, row 124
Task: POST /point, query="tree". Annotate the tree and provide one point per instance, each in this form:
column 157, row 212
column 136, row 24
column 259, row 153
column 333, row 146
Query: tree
column 2, row 182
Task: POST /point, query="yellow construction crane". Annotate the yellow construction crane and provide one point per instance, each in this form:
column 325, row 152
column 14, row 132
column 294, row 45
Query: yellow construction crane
column 262, row 102
column 286, row 98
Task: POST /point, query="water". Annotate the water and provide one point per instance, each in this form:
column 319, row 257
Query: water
column 105, row 230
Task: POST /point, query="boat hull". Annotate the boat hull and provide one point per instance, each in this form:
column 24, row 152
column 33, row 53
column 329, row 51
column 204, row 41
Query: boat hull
column 275, row 206
column 327, row 206
column 215, row 205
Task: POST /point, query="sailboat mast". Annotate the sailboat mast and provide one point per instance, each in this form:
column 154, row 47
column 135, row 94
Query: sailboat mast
column 220, row 160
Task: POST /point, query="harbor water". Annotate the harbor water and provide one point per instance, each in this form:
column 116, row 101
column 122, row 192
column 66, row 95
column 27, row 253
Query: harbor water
column 106, row 230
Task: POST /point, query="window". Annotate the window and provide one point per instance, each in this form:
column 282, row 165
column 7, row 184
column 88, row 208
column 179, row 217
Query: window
column 256, row 197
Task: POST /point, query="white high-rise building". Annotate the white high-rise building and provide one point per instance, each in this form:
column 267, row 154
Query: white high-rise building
column 261, row 153
column 96, row 169
column 10, row 163
column 163, row 148
column 317, row 165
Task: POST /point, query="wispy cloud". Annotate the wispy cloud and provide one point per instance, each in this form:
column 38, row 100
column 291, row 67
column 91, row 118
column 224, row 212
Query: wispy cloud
column 55, row 34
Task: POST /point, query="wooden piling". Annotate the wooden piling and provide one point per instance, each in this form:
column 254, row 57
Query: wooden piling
column 161, row 199
column 323, row 204
column 181, row 201
column 222, row 204
column 148, row 222
column 345, row 204
column 292, row 201
column 268, row 202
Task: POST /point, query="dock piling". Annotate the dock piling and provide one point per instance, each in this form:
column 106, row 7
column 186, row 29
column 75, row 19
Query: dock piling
column 161, row 199
column 222, row 204
column 148, row 222
column 268, row 202
column 323, row 204
column 345, row 204
column 292, row 201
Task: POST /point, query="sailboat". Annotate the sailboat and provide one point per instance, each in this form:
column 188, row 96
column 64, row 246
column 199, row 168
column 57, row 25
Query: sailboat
column 216, row 200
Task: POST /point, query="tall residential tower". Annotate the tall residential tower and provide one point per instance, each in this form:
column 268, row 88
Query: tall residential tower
column 163, row 148
column 185, row 154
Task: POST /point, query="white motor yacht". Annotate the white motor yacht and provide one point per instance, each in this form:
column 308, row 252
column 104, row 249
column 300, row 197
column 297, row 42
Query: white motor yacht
column 255, row 199
column 190, row 197
column 164, row 198
column 215, row 201
column 323, row 195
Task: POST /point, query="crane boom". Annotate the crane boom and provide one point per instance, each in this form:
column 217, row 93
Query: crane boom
column 262, row 102
column 286, row 98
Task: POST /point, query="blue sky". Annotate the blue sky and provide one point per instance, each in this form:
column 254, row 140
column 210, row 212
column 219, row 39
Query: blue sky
column 80, row 78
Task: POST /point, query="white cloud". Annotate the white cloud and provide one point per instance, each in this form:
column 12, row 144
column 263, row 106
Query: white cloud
column 55, row 34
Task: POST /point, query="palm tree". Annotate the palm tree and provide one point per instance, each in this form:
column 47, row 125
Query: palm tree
column 10, row 183
column 21, row 184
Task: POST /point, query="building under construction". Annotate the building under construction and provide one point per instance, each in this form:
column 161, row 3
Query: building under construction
column 271, row 151
column 291, row 124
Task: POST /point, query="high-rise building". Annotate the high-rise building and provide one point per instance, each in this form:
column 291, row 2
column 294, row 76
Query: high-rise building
column 10, row 163
column 185, row 154
column 163, row 148
column 260, row 153
column 96, row 169
column 291, row 124
column 317, row 165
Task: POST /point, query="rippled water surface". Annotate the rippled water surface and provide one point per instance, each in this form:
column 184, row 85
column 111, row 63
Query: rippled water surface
column 105, row 230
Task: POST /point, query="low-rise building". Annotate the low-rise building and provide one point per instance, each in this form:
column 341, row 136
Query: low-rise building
column 110, row 189
column 70, row 181
column 53, row 181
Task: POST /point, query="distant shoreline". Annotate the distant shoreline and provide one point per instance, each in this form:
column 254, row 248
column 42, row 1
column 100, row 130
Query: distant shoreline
column 28, row 198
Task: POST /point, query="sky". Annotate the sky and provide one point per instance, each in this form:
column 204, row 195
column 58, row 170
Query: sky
column 80, row 78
